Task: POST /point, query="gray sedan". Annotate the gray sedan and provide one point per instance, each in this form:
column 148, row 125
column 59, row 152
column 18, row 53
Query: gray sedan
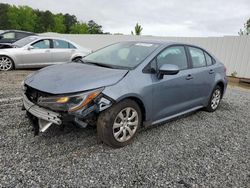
column 37, row 52
column 124, row 86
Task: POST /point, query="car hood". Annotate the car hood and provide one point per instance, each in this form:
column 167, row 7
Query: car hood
column 73, row 77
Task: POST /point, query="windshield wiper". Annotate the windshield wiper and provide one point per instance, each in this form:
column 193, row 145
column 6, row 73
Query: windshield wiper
column 102, row 65
column 97, row 64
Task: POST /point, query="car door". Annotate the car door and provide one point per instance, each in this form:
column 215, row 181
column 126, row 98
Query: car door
column 173, row 93
column 61, row 51
column 38, row 54
column 202, row 74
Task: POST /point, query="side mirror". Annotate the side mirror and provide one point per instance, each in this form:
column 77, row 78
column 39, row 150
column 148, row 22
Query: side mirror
column 30, row 48
column 167, row 69
column 1, row 36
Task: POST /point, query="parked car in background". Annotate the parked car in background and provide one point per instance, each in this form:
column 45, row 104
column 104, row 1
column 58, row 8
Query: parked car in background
column 11, row 36
column 38, row 51
column 124, row 86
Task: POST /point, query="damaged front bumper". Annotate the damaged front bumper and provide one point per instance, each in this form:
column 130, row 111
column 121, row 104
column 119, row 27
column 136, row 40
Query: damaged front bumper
column 43, row 118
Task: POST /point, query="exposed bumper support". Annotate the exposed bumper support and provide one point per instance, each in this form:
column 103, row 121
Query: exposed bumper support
column 45, row 117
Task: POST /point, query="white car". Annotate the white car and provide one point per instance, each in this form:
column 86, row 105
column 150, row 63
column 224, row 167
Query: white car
column 38, row 51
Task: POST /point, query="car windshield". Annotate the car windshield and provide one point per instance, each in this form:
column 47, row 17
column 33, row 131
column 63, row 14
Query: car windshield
column 125, row 55
column 22, row 42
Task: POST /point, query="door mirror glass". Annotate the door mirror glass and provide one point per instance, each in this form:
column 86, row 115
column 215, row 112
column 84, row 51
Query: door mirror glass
column 167, row 69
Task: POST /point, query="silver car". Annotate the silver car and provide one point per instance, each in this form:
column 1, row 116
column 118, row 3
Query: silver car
column 38, row 51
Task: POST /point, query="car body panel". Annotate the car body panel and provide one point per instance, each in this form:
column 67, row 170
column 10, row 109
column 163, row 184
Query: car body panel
column 73, row 77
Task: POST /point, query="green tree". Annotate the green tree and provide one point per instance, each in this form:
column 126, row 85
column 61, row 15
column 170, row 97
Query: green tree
column 69, row 21
column 79, row 28
column 44, row 22
column 26, row 18
column 94, row 28
column 246, row 29
column 138, row 29
column 59, row 26
column 22, row 17
column 4, row 21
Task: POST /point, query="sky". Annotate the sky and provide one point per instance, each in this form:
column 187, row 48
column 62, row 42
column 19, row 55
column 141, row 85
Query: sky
column 191, row 18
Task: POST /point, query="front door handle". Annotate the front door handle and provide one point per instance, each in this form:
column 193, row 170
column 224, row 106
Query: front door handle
column 189, row 77
column 211, row 71
column 47, row 51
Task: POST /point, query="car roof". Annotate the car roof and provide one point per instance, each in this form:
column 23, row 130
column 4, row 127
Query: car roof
column 161, row 42
column 47, row 37
column 20, row 31
column 165, row 43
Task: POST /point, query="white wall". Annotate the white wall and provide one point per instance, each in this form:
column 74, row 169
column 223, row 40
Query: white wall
column 233, row 51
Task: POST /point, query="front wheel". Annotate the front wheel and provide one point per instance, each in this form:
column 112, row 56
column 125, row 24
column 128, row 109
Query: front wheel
column 6, row 63
column 214, row 99
column 118, row 125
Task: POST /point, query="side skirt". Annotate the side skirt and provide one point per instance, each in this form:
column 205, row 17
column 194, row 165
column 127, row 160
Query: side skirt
column 149, row 123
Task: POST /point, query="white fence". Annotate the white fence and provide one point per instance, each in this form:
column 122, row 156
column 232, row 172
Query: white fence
column 233, row 51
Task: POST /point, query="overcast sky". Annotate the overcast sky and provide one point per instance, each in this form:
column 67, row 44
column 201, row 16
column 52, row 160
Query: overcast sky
column 157, row 17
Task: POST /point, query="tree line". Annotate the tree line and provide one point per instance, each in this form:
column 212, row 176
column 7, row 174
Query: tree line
column 34, row 20
column 246, row 28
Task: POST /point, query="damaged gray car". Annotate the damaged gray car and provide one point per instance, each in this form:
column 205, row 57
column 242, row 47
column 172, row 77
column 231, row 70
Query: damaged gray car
column 124, row 86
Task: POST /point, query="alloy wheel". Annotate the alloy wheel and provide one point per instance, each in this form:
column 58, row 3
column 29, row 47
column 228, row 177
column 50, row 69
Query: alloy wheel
column 215, row 99
column 125, row 124
column 5, row 63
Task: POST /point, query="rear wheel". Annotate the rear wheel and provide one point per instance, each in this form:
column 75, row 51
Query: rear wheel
column 214, row 99
column 6, row 63
column 118, row 125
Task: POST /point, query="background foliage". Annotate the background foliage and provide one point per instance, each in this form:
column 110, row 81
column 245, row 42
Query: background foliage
column 28, row 19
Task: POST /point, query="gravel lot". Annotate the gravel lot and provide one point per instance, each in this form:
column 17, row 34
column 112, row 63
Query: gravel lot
column 200, row 150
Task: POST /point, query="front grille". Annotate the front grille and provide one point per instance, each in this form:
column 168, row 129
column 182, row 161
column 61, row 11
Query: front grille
column 34, row 94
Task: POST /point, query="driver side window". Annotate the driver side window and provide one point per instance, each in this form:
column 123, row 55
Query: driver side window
column 175, row 55
column 42, row 44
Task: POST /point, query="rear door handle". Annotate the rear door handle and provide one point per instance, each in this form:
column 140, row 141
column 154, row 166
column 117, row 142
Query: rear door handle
column 189, row 77
column 211, row 71
column 47, row 51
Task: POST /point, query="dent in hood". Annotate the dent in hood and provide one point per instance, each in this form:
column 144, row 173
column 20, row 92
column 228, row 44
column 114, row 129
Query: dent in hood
column 73, row 77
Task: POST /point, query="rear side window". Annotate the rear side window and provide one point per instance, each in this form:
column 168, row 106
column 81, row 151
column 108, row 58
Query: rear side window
column 198, row 57
column 60, row 44
column 9, row 35
column 175, row 55
column 208, row 59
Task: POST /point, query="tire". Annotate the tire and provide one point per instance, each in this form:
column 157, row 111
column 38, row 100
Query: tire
column 215, row 99
column 6, row 63
column 118, row 125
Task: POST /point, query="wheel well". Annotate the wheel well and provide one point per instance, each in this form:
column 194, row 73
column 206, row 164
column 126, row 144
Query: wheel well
column 141, row 105
column 221, row 85
column 76, row 57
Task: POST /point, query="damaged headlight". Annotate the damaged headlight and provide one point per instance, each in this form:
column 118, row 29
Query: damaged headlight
column 69, row 103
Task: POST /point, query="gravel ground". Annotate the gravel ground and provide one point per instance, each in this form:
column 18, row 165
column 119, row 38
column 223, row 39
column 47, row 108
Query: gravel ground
column 200, row 150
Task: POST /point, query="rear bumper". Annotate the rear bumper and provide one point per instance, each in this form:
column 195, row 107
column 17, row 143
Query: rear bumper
column 41, row 113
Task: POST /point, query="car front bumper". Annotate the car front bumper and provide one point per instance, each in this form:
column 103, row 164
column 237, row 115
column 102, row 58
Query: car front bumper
column 45, row 117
